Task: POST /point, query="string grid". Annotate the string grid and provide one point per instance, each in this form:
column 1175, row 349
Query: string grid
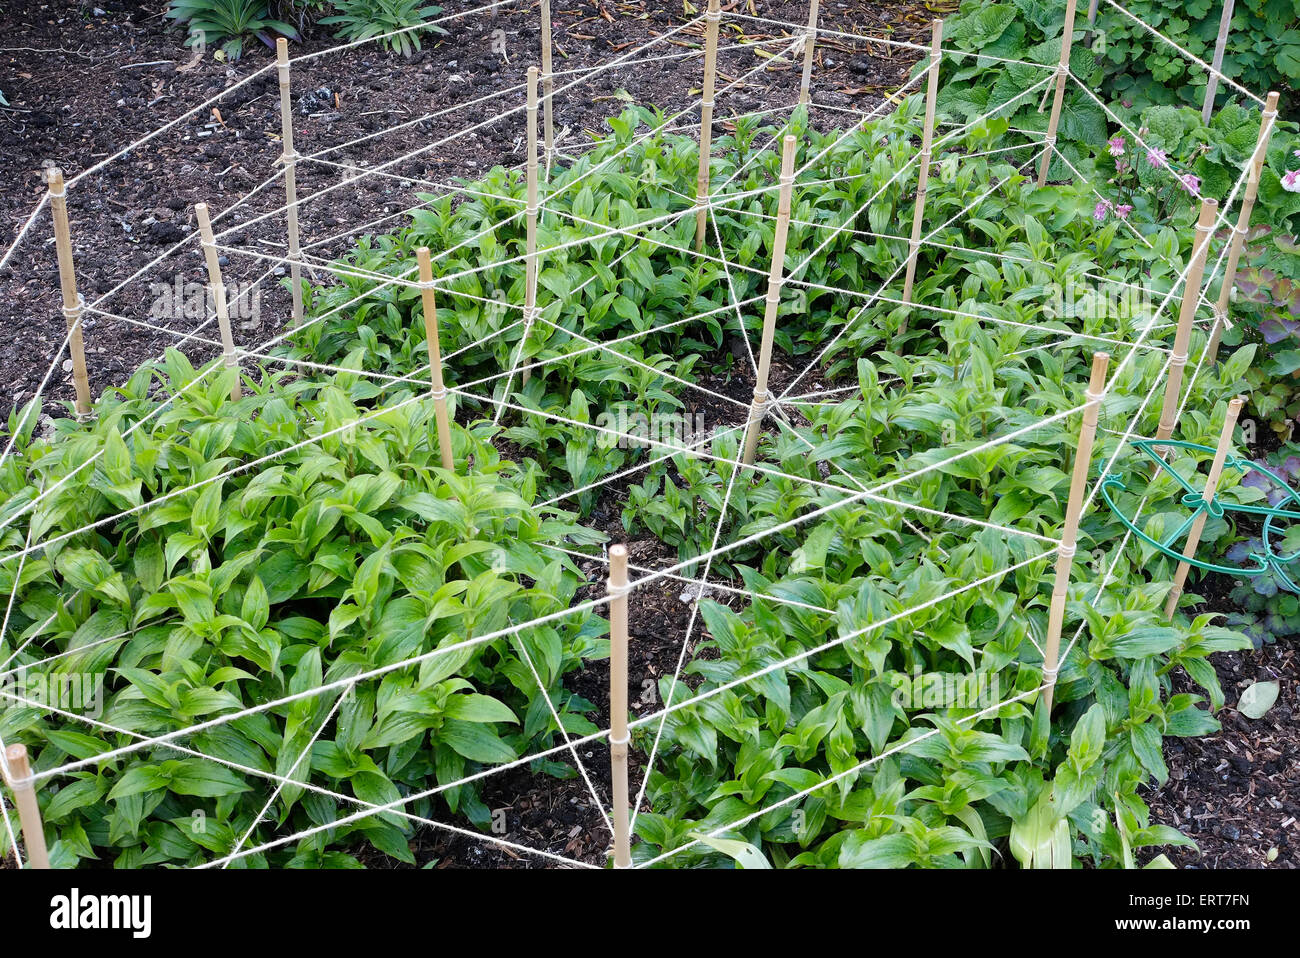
column 695, row 571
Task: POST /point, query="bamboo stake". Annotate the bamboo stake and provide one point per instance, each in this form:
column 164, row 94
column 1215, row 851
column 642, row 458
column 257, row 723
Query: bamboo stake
column 1211, row 485
column 1092, row 23
column 439, row 390
column 530, row 273
column 809, row 45
column 1065, row 555
column 218, row 288
column 618, row 734
column 548, row 85
column 1191, row 296
column 1267, row 122
column 68, row 284
column 1212, row 81
column 711, row 20
column 18, row 773
column 290, row 176
column 1062, row 72
column 775, row 281
column 923, row 177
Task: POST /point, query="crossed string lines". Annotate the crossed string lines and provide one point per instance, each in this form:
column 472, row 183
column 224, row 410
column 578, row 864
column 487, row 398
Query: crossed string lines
column 671, row 572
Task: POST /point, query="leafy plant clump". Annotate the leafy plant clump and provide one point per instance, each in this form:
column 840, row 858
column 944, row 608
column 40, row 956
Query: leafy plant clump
column 353, row 552
column 1126, row 62
column 215, row 556
column 227, row 24
column 398, row 22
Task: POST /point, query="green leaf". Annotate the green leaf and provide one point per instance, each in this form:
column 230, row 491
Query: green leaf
column 478, row 708
column 205, row 780
column 474, row 742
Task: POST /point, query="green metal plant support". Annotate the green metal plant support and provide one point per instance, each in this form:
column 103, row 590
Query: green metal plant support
column 1269, row 560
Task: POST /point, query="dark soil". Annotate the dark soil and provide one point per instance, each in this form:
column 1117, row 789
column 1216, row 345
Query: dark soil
column 1236, row 793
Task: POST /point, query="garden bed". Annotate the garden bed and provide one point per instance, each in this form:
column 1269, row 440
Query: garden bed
column 55, row 117
column 559, row 816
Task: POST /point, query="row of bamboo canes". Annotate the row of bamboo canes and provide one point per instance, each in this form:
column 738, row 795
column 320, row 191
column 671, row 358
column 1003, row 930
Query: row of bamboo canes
column 19, row 775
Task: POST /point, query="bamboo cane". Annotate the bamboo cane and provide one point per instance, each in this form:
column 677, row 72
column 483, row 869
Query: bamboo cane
column 530, row 272
column 438, row 390
column 1065, row 555
column 1191, row 297
column 1256, row 161
column 72, row 310
column 711, row 20
column 548, row 86
column 923, row 177
column 1211, row 485
column 290, row 176
column 1212, row 81
column 809, row 46
column 618, row 734
column 1062, row 72
column 19, row 776
column 775, row 281
column 218, row 288
column 1092, row 23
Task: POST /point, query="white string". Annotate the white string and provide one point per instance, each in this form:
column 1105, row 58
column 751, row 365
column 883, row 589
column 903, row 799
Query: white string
column 282, row 780
column 1188, row 54
column 830, row 780
column 708, row 557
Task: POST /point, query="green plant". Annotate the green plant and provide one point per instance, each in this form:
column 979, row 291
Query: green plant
column 198, row 578
column 1122, row 59
column 364, row 19
column 348, row 555
column 884, row 743
column 1263, row 50
column 298, row 12
column 228, row 23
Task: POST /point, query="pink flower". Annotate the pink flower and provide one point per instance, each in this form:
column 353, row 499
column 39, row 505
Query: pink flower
column 1123, row 210
column 1158, row 158
column 1191, row 183
column 1100, row 210
column 1121, row 166
column 1296, row 153
column 1116, row 145
column 1291, row 180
